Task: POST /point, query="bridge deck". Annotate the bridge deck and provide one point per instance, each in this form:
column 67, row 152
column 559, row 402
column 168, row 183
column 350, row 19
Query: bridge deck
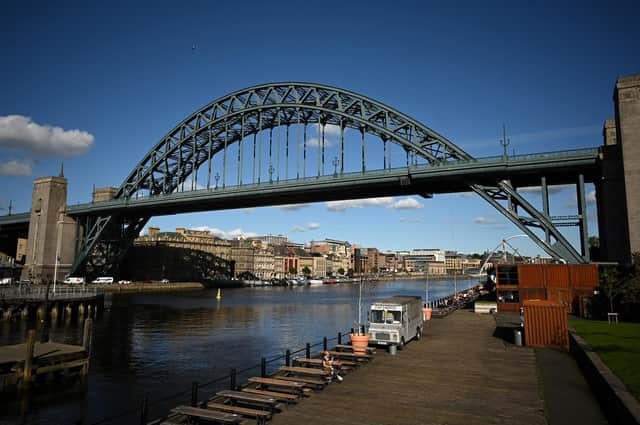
column 457, row 374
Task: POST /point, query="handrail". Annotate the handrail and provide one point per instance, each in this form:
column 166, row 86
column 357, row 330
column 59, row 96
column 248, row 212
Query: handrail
column 38, row 292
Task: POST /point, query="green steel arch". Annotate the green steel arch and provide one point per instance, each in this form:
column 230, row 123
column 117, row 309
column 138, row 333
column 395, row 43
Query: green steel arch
column 232, row 118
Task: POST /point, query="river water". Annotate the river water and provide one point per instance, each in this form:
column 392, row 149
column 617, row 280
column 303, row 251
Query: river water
column 155, row 345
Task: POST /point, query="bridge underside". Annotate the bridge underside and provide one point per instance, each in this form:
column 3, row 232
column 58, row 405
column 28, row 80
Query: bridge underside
column 273, row 144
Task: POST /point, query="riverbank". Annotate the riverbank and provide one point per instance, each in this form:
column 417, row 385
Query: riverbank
column 150, row 287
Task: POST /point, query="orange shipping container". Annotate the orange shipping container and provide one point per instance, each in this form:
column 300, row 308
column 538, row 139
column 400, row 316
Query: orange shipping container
column 531, row 276
column 545, row 324
column 532, row 294
column 584, row 276
column 556, row 276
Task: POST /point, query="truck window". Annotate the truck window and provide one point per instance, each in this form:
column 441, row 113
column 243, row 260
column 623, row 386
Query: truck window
column 392, row 316
column 376, row 316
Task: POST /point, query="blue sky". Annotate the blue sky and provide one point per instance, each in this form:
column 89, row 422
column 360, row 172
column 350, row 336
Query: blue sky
column 97, row 85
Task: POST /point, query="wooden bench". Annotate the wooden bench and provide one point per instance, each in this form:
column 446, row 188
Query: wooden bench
column 262, row 416
column 272, row 382
column 340, row 347
column 286, row 397
column 209, row 415
column 316, row 383
column 252, row 399
column 344, row 364
column 302, row 371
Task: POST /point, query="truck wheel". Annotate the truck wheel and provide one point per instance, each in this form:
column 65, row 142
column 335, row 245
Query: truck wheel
column 401, row 344
column 418, row 334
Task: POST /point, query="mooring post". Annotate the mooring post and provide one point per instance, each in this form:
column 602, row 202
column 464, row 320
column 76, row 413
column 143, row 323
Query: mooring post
column 232, row 379
column 308, row 350
column 194, row 394
column 339, row 338
column 144, row 411
column 287, row 358
column 324, row 343
column 263, row 367
column 28, row 362
column 363, row 330
column 352, row 331
column 86, row 344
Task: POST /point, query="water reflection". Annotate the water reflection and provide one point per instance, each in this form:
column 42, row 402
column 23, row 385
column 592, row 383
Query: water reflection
column 156, row 344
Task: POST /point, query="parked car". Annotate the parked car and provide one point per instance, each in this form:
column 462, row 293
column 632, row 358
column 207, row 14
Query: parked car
column 24, row 282
column 74, row 280
column 104, row 279
column 124, row 282
column 164, row 281
column 6, row 281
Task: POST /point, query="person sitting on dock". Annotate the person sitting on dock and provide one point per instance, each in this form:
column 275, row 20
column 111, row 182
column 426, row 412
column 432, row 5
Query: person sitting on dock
column 328, row 364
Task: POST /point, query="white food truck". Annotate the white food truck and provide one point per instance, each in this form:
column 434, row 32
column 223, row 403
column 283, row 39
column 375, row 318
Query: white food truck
column 395, row 320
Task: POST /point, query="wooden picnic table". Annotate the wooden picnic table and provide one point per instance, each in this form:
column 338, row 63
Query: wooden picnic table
column 260, row 400
column 261, row 415
column 303, row 371
column 313, row 382
column 353, row 356
column 209, row 415
column 288, row 384
column 286, row 397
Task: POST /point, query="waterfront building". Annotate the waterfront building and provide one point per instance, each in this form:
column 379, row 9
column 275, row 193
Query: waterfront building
column 272, row 240
column 319, row 266
column 253, row 256
column 200, row 240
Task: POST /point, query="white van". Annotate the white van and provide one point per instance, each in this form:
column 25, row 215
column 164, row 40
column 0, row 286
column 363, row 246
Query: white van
column 104, row 279
column 74, row 280
column 395, row 320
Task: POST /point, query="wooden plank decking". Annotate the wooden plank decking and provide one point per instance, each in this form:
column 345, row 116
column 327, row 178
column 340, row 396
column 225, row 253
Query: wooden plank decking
column 457, row 374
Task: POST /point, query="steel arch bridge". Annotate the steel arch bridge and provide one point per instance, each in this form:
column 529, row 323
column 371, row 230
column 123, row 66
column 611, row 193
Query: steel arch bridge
column 232, row 129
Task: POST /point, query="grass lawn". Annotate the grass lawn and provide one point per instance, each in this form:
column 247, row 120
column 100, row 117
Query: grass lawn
column 617, row 345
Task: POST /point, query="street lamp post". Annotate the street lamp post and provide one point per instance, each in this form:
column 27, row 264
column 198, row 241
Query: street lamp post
column 55, row 268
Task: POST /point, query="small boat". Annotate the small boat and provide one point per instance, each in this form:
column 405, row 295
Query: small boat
column 315, row 282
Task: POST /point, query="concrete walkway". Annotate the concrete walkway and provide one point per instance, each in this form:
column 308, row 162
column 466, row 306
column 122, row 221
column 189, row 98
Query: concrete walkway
column 459, row 373
column 567, row 396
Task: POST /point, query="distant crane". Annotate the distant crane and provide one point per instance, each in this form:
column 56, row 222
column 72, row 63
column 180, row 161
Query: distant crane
column 503, row 243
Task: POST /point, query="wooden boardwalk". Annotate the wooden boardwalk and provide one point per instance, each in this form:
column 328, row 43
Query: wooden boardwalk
column 457, row 374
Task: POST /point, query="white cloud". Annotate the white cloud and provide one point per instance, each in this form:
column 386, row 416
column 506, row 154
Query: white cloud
column 331, row 133
column 16, row 167
column 230, row 234
column 411, row 220
column 300, row 229
column 291, row 207
column 483, row 221
column 551, row 189
column 359, row 203
column 590, row 198
column 408, row 203
column 19, row 133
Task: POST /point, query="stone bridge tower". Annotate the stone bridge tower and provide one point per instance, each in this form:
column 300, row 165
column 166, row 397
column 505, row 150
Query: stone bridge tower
column 51, row 233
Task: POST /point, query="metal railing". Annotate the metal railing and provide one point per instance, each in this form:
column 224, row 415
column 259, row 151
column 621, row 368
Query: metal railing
column 38, row 293
column 230, row 380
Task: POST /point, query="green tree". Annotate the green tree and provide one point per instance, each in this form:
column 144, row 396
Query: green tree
column 341, row 271
column 306, row 271
column 350, row 273
column 293, row 270
column 622, row 284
